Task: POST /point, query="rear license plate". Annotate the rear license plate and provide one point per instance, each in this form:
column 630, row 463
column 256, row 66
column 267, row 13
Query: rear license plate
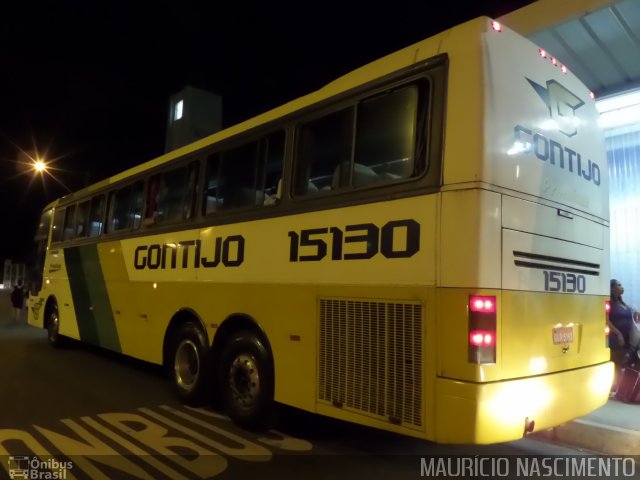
column 562, row 335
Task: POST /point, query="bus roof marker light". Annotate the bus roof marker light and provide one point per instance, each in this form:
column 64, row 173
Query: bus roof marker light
column 543, row 53
column 592, row 95
column 554, row 61
column 496, row 26
column 564, row 69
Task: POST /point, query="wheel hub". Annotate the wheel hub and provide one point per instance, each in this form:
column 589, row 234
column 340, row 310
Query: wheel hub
column 244, row 380
column 187, row 365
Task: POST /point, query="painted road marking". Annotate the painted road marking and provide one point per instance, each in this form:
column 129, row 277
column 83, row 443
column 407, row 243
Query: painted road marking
column 100, row 444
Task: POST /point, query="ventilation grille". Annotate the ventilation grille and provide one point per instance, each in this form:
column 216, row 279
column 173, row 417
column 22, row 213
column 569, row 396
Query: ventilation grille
column 371, row 358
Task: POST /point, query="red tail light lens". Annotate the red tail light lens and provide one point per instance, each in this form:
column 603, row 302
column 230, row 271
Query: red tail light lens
column 482, row 329
column 607, row 307
column 482, row 304
column 480, row 338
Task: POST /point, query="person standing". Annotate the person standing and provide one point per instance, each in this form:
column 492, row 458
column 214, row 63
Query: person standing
column 17, row 300
column 620, row 321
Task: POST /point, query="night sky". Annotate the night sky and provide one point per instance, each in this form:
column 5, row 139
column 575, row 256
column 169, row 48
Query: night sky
column 87, row 83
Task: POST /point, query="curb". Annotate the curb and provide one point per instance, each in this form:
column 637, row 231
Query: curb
column 595, row 437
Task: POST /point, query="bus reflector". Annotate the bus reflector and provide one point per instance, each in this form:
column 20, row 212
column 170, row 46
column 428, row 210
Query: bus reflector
column 482, row 329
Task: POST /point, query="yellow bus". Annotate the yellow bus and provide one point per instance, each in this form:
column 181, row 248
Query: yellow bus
column 420, row 246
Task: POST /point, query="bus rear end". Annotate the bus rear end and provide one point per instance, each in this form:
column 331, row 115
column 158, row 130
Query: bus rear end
column 525, row 248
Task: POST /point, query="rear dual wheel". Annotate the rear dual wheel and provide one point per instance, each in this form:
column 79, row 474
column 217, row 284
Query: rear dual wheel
column 190, row 366
column 247, row 381
column 245, row 376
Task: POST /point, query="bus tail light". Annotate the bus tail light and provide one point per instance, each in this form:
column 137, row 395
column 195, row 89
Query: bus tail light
column 482, row 329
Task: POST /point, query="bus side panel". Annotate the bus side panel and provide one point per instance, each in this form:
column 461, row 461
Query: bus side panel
column 279, row 271
column 56, row 285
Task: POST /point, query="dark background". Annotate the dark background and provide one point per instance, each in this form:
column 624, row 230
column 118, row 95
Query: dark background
column 87, row 84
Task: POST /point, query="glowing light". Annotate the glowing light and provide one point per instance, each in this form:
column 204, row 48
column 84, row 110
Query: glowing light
column 178, row 110
column 496, row 26
column 543, row 53
column 481, row 338
column 515, row 401
column 600, row 383
column 482, row 304
column 537, row 365
column 155, row 285
column 39, row 166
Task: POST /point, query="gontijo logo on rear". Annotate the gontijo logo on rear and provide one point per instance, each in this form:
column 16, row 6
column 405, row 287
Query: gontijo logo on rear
column 562, row 105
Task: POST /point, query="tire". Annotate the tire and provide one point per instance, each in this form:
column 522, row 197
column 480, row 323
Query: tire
column 53, row 329
column 190, row 365
column 247, row 381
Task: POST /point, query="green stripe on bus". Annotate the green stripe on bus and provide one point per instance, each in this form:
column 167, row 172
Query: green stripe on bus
column 96, row 324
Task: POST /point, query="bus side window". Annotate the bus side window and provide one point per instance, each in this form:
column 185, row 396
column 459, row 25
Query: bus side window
column 324, row 145
column 388, row 142
column 69, row 223
column 212, row 199
column 170, row 195
column 137, row 202
column 82, row 219
column 153, row 196
column 58, row 225
column 270, row 168
column 238, row 176
column 385, row 140
column 125, row 207
column 96, row 215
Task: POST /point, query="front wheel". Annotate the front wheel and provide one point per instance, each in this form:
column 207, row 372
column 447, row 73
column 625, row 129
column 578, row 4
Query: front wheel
column 53, row 329
column 246, row 377
column 190, row 364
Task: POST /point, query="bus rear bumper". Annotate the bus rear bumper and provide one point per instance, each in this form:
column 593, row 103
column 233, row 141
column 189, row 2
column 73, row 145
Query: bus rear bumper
column 494, row 412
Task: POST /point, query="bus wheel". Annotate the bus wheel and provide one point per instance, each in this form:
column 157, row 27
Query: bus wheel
column 189, row 367
column 247, row 381
column 53, row 329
